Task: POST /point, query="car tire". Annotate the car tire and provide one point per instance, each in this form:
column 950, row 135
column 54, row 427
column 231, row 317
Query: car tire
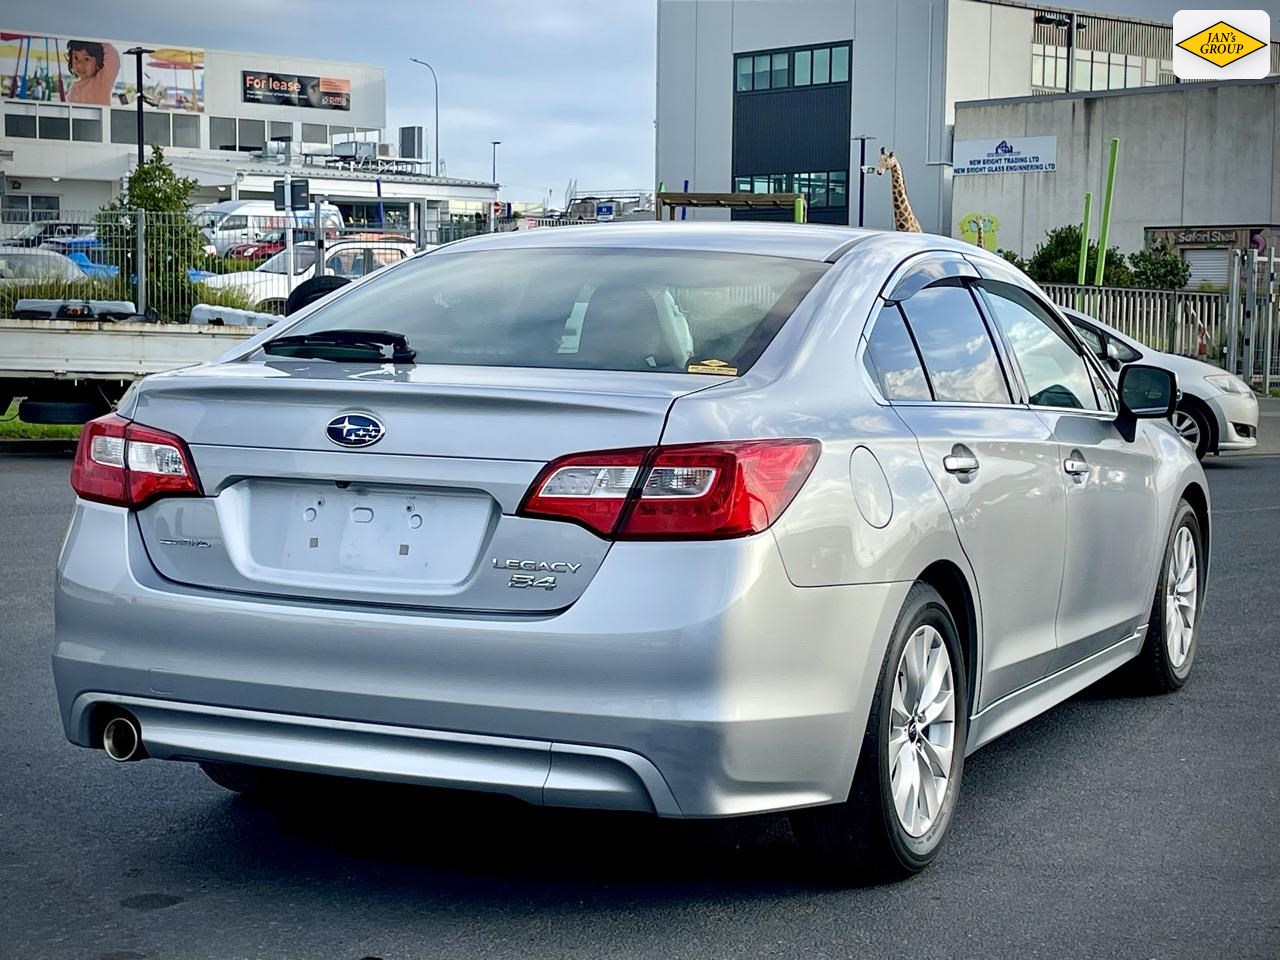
column 866, row 838
column 1193, row 426
column 309, row 291
column 1164, row 663
column 248, row 781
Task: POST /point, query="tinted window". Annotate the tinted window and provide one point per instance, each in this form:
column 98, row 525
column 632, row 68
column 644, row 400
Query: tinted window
column 598, row 309
column 958, row 353
column 1092, row 339
column 1054, row 372
column 895, row 363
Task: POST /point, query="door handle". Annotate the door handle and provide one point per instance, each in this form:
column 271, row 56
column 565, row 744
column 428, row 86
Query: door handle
column 959, row 463
column 1076, row 467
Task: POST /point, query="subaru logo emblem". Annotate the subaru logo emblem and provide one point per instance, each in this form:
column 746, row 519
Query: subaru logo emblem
column 355, row 430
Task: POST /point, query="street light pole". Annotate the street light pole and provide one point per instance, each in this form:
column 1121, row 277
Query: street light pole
column 495, row 159
column 862, row 176
column 139, row 53
column 435, row 83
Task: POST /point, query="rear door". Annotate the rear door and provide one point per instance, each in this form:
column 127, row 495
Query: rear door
column 995, row 463
column 1111, row 536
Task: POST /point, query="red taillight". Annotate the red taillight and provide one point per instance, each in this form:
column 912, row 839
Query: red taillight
column 129, row 465
column 588, row 488
column 695, row 491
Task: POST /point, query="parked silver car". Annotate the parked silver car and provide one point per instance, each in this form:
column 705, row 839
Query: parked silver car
column 1217, row 410
column 695, row 519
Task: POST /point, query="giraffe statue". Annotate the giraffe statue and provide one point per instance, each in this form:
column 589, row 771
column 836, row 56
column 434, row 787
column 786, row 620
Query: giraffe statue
column 903, row 217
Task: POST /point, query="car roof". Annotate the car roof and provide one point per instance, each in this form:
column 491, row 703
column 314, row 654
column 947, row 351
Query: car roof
column 805, row 241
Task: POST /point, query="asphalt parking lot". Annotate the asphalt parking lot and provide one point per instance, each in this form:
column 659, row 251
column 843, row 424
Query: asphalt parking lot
column 1110, row 827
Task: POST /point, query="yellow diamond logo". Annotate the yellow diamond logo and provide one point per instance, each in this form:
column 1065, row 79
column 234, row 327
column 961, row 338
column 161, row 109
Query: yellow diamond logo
column 1221, row 44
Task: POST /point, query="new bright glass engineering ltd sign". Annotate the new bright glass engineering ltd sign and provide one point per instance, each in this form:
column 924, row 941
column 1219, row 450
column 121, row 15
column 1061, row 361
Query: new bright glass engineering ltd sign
column 1007, row 155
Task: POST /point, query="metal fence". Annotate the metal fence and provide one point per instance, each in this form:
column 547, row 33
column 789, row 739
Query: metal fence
column 1253, row 317
column 159, row 266
column 1175, row 321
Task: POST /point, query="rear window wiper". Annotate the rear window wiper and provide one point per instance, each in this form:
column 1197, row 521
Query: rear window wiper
column 358, row 345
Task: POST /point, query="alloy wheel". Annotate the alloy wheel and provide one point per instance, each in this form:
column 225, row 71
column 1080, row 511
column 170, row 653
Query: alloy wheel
column 921, row 731
column 1182, row 591
column 1187, row 427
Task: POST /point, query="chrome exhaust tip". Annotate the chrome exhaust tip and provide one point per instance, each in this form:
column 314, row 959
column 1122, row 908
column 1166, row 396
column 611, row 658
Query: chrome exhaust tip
column 122, row 740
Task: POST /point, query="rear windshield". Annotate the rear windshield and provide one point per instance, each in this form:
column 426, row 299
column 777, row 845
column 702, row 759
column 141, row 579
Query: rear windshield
column 611, row 309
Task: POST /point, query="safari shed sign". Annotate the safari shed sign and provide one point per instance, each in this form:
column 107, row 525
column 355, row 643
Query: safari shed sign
column 1221, row 44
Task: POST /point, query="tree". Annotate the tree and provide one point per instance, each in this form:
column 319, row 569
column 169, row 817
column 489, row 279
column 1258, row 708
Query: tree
column 1160, row 268
column 1057, row 259
column 172, row 242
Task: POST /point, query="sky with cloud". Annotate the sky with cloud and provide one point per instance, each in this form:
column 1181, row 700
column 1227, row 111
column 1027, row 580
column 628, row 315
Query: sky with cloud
column 566, row 85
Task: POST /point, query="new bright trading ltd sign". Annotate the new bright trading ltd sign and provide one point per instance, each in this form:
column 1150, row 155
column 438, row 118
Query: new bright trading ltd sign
column 1008, row 155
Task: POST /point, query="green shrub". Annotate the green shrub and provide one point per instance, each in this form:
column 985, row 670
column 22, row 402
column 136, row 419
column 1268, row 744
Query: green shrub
column 1160, row 268
column 1057, row 259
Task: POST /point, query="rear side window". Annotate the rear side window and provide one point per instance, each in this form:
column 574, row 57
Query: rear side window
column 894, row 361
column 958, row 354
column 598, row 309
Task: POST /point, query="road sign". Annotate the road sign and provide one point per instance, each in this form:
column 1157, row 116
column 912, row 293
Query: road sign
column 604, row 211
column 299, row 194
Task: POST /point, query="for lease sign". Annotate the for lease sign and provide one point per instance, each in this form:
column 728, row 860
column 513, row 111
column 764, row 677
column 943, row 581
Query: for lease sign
column 1006, row 155
column 295, row 90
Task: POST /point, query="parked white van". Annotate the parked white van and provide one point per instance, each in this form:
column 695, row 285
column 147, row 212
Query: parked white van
column 231, row 222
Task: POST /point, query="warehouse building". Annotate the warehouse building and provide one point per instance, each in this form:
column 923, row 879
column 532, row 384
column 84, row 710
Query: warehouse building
column 771, row 95
column 234, row 122
column 1199, row 169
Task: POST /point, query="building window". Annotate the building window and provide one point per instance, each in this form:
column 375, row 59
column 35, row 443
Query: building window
column 822, row 66
column 24, row 208
column 821, row 189
column 839, row 64
column 186, row 130
column 124, row 126
column 319, row 133
column 20, row 120
column 762, row 72
column 55, row 122
column 804, row 67
column 222, row 133
column 253, row 135
column 791, row 68
column 281, row 130
column 155, row 128
column 336, row 132
column 781, row 70
column 86, row 124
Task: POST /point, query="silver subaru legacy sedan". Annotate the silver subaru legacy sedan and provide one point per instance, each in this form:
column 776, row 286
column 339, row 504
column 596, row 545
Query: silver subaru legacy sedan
column 700, row 520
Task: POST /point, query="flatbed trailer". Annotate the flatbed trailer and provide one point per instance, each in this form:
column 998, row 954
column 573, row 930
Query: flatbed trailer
column 70, row 371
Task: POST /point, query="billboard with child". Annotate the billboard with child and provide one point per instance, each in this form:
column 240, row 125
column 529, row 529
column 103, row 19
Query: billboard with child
column 76, row 70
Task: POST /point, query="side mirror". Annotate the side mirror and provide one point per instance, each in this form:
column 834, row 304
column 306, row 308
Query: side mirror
column 1113, row 357
column 1146, row 393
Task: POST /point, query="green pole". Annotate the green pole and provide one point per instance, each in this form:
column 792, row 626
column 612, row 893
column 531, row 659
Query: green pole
column 800, row 212
column 1106, row 212
column 1084, row 250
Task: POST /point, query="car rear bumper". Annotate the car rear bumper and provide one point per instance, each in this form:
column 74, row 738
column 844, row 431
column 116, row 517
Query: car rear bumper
column 689, row 680
column 1237, row 421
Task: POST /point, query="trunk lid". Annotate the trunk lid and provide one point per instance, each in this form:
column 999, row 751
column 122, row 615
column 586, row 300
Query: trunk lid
column 423, row 517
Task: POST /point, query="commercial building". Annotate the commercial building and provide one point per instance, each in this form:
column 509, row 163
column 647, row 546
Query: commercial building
column 234, row 122
column 768, row 95
column 1199, row 169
